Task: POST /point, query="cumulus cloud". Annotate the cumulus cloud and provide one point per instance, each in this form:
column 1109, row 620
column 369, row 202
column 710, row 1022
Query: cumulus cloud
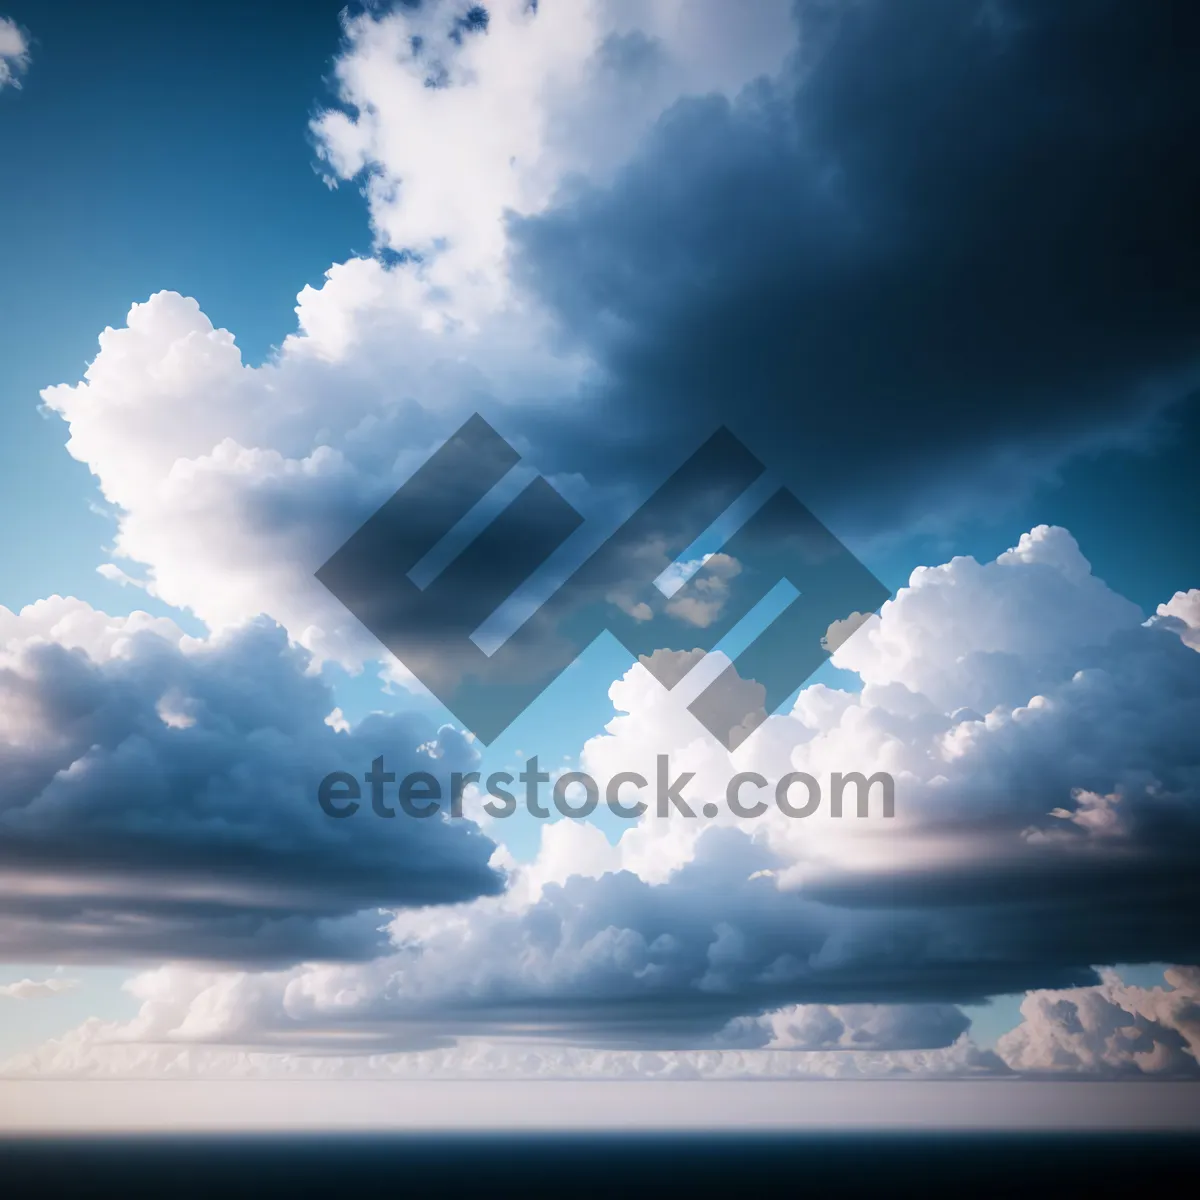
column 1182, row 613
column 233, row 483
column 268, row 469
column 1111, row 1030
column 14, row 53
column 610, row 226
column 994, row 693
column 857, row 1027
column 861, row 933
column 457, row 117
column 159, row 798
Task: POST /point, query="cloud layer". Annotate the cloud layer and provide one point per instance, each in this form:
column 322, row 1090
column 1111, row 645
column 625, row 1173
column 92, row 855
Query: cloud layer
column 1041, row 736
column 1110, row 1031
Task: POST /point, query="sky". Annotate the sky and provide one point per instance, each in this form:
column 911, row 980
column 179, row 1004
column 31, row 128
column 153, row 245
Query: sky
column 933, row 264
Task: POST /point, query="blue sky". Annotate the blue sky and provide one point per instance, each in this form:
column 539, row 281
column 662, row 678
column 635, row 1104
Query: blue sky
column 605, row 229
column 156, row 150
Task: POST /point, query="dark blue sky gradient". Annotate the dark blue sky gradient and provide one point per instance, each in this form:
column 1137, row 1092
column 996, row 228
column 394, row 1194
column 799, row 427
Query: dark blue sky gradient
column 152, row 146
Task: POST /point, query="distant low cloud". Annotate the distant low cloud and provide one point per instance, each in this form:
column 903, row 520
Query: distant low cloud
column 14, row 53
column 1109, row 1031
column 38, row 989
column 93, row 1052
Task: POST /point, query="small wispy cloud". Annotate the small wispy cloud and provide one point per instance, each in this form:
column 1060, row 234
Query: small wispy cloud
column 14, row 53
column 38, row 989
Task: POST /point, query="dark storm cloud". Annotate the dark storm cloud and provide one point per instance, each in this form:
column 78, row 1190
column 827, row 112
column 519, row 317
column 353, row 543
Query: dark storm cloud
column 693, row 963
column 165, row 803
column 951, row 242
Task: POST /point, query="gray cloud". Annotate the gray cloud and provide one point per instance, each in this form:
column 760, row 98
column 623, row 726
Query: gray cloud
column 853, row 1027
column 1035, row 836
column 949, row 244
column 161, row 799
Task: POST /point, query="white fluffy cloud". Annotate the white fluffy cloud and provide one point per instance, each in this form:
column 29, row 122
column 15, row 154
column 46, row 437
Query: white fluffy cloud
column 232, row 483
column 1110, row 1030
column 14, row 53
column 1182, row 612
column 461, row 124
column 994, row 694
